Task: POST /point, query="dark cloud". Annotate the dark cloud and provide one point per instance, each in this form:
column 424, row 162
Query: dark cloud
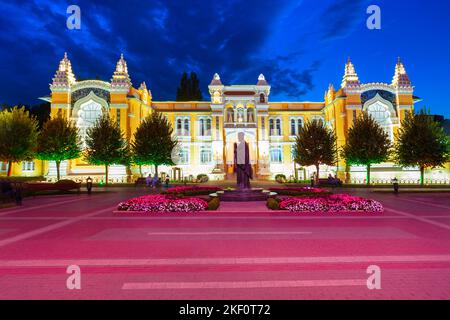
column 341, row 17
column 160, row 40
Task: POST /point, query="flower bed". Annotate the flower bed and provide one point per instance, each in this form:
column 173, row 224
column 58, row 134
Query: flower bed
column 163, row 203
column 303, row 191
column 331, row 203
column 193, row 190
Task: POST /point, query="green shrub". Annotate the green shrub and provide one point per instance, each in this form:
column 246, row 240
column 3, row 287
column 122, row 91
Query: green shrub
column 213, row 204
column 280, row 178
column 273, row 204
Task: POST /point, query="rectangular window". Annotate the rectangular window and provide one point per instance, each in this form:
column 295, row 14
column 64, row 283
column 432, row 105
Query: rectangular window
column 355, row 114
column 276, row 155
column 118, row 118
column 3, row 166
column 28, row 166
column 205, row 155
column 184, row 155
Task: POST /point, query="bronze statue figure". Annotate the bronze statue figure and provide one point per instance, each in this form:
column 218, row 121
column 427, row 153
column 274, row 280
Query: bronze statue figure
column 242, row 165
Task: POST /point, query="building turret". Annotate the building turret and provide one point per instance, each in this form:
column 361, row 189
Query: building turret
column 64, row 76
column 350, row 80
column 216, row 90
column 121, row 78
column 401, row 79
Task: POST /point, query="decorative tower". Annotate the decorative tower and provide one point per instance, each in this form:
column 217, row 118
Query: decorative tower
column 263, row 90
column 404, row 89
column 216, row 90
column 350, row 81
column 401, row 79
column 121, row 78
column 64, row 76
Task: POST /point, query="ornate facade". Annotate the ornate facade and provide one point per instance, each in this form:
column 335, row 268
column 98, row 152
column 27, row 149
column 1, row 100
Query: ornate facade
column 207, row 130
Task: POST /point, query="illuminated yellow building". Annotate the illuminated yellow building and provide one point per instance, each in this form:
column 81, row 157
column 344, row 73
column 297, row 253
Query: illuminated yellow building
column 207, row 130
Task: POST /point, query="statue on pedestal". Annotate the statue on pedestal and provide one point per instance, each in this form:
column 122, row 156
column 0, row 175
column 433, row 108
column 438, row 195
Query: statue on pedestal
column 242, row 164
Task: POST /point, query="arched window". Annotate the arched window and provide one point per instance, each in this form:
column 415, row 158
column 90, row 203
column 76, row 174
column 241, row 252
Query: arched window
column 240, row 115
column 208, row 127
column 179, row 127
column 186, row 127
column 202, row 127
column 88, row 114
column 251, row 115
column 278, row 127
column 262, row 98
column 299, row 125
column 230, row 115
column 293, row 127
column 381, row 114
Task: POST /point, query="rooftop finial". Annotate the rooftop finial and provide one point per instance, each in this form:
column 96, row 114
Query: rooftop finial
column 262, row 80
column 216, row 80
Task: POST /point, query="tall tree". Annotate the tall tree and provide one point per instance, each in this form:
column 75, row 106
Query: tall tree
column 367, row 144
column 195, row 92
column 105, row 144
column 153, row 142
column 58, row 141
column 183, row 88
column 315, row 145
column 18, row 136
column 421, row 142
column 189, row 88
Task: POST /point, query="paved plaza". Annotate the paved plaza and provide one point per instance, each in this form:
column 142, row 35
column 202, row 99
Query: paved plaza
column 242, row 251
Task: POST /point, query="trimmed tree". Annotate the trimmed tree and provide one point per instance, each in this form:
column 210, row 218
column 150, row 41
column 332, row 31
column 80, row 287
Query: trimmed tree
column 105, row 144
column 367, row 144
column 421, row 142
column 18, row 136
column 189, row 88
column 315, row 145
column 58, row 141
column 153, row 142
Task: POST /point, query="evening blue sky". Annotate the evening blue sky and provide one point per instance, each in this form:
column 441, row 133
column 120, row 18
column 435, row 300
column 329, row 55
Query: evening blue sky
column 300, row 46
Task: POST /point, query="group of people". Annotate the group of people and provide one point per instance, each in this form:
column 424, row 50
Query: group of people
column 155, row 182
column 331, row 181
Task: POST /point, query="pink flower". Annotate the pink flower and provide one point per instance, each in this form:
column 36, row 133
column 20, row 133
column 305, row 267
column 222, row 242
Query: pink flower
column 162, row 203
column 331, row 203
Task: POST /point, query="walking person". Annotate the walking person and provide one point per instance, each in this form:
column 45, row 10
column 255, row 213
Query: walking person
column 148, row 181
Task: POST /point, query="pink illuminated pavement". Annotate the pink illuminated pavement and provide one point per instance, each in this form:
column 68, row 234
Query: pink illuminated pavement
column 241, row 252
